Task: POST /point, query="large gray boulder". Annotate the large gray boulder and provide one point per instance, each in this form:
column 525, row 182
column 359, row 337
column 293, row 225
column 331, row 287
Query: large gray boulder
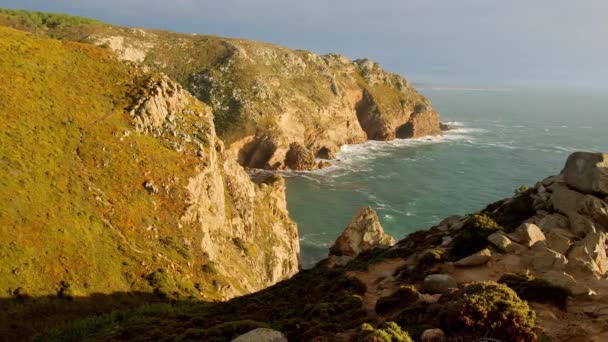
column 480, row 258
column 261, row 335
column 439, row 283
column 587, row 172
column 362, row 234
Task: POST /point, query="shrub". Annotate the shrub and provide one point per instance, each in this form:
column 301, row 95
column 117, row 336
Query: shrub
column 388, row 332
column 537, row 290
column 489, row 310
column 400, row 299
column 473, row 236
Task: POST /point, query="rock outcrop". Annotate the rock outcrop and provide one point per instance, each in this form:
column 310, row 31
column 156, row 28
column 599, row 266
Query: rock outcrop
column 363, row 233
column 267, row 97
column 125, row 185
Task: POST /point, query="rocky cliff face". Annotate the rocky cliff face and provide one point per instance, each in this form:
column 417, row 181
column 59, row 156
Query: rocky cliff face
column 266, row 97
column 114, row 180
column 528, row 268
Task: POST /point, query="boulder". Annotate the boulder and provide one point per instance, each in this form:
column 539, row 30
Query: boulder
column 563, row 279
column 543, row 259
column 261, row 335
column 439, row 283
column 433, row 335
column 299, row 158
column 362, row 234
column 527, row 234
column 587, row 172
column 502, row 242
column 565, row 200
column 480, row 258
column 596, row 209
column 589, row 254
column 552, row 221
column 559, row 240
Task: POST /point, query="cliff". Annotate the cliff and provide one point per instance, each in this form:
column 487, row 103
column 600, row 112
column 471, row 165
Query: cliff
column 527, row 268
column 113, row 179
column 270, row 100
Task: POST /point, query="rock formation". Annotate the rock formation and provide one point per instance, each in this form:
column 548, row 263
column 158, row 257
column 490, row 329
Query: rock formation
column 267, row 97
column 362, row 234
column 124, row 185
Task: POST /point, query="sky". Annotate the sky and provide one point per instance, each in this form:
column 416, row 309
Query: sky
column 494, row 43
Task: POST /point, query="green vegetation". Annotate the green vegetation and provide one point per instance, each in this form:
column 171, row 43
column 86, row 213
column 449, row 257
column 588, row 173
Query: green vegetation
column 473, row 236
column 405, row 296
column 490, row 310
column 537, row 290
column 314, row 303
column 388, row 332
column 43, row 22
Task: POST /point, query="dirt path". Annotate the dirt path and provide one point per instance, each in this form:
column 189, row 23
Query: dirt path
column 380, row 281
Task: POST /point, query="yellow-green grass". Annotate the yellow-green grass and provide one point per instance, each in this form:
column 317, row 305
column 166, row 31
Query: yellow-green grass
column 72, row 205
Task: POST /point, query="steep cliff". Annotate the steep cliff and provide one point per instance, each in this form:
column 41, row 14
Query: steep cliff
column 532, row 267
column 113, row 179
column 267, row 97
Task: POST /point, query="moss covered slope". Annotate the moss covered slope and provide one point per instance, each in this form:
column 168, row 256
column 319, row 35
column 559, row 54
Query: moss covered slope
column 267, row 97
column 114, row 180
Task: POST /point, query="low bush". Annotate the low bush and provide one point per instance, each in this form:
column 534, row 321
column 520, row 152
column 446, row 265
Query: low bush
column 537, row 290
column 473, row 237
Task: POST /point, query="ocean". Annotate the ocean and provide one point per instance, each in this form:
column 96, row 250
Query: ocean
column 502, row 139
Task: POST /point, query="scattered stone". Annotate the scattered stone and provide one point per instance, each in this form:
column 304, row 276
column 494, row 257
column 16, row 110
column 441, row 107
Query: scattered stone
column 362, row 234
column 480, row 258
column 261, row 335
column 150, row 187
column 587, row 172
column 527, row 234
column 433, row 335
column 439, row 283
column 502, row 242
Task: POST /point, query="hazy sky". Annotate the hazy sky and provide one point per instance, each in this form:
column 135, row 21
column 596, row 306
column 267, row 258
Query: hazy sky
column 454, row 42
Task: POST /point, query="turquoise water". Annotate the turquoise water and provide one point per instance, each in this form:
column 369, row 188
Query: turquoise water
column 502, row 139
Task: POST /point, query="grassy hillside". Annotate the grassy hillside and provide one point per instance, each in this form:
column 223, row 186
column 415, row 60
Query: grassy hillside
column 89, row 205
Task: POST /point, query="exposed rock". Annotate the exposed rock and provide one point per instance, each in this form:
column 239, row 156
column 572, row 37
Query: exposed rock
column 563, row 279
column 323, row 164
column 553, row 221
column 587, row 172
column 433, row 335
column 439, row 283
column 543, row 259
column 338, row 260
column 362, row 234
column 444, row 126
column 300, row 158
column 261, row 335
column 419, row 125
column 326, row 152
column 589, row 254
column 480, row 258
column 527, row 234
column 565, row 200
column 559, row 240
column 502, row 242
